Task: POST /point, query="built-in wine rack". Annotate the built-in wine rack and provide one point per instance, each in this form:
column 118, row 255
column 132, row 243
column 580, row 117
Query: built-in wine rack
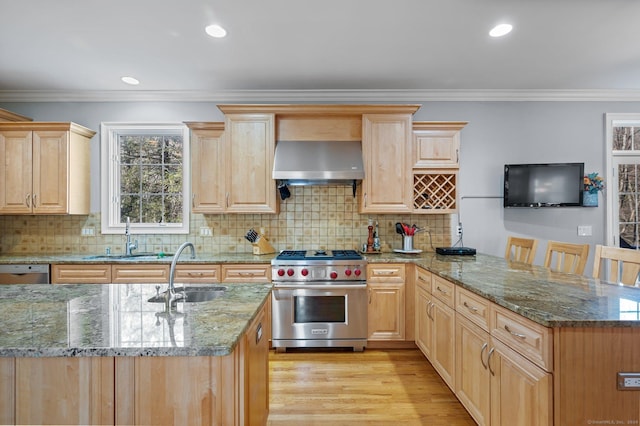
column 434, row 192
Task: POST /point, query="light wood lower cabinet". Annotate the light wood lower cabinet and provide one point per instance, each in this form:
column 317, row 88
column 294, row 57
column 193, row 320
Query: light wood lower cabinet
column 246, row 273
column 473, row 381
column 80, row 274
column 157, row 273
column 220, row 390
column 498, row 363
column 386, row 310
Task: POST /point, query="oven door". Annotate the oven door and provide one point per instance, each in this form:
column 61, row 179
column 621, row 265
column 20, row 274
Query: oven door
column 318, row 312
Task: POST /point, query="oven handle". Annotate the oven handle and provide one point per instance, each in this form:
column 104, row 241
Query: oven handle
column 320, row 286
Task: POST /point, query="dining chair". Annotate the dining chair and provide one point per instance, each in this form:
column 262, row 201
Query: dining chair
column 617, row 265
column 521, row 249
column 566, row 257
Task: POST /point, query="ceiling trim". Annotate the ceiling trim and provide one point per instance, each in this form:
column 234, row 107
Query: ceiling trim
column 310, row 96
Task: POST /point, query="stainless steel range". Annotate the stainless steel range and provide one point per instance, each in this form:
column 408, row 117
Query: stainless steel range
column 319, row 299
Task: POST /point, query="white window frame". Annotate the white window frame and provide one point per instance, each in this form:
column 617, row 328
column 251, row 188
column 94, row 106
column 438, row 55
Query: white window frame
column 110, row 178
column 612, row 159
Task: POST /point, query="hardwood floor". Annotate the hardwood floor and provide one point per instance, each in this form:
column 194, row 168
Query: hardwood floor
column 374, row 387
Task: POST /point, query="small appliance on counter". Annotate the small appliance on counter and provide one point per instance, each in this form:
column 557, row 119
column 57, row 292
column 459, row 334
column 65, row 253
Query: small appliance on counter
column 259, row 242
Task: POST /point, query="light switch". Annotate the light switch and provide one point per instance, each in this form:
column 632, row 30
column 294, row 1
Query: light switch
column 205, row 231
column 585, row 231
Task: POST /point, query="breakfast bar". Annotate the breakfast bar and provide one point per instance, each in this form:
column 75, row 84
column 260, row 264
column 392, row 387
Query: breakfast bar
column 107, row 354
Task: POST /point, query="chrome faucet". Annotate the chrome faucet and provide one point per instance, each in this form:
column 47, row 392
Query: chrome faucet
column 129, row 246
column 171, row 292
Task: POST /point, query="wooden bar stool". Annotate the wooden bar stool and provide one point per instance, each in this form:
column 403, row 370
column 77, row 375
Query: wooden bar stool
column 566, row 257
column 521, row 249
column 617, row 265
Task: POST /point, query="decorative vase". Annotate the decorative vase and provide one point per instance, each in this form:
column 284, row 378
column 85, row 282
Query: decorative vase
column 590, row 199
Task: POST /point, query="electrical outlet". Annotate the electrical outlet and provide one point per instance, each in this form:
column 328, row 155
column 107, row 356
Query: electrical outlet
column 89, row 231
column 205, row 231
column 585, row 230
column 628, row 381
column 459, row 229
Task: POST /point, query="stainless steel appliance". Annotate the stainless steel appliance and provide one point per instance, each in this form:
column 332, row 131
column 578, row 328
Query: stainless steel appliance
column 24, row 274
column 319, row 299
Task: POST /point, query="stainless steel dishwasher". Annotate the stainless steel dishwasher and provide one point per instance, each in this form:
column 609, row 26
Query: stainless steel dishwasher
column 24, row 274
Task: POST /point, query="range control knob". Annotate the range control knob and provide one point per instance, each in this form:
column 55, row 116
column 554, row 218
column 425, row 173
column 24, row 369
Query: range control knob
column 348, row 272
column 304, row 272
column 290, row 272
column 333, row 275
column 280, row 272
column 357, row 272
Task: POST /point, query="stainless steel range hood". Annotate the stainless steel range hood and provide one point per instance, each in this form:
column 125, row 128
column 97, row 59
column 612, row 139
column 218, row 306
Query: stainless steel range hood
column 318, row 162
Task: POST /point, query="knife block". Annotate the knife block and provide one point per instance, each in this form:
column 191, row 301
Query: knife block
column 262, row 246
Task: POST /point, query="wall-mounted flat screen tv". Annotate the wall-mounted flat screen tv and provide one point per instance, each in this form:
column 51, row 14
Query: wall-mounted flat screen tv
column 543, row 185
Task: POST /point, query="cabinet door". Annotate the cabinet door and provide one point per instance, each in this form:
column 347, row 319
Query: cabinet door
column 256, row 409
column 386, row 311
column 473, row 380
column 50, row 171
column 80, row 274
column 436, row 148
column 424, row 324
column 246, row 273
column 443, row 352
column 249, row 161
column 139, row 273
column 207, row 171
column 386, row 148
column 15, row 171
column 521, row 392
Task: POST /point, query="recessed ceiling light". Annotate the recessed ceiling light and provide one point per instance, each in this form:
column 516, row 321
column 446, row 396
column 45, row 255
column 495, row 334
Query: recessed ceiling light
column 500, row 30
column 130, row 80
column 216, row 31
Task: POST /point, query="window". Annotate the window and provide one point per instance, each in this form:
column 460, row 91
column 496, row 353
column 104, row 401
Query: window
column 145, row 177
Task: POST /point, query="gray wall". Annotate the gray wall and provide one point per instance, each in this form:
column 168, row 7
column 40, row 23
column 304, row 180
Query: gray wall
column 498, row 133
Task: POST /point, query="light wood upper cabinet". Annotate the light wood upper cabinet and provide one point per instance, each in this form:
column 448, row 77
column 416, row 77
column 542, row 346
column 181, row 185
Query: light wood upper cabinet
column 386, row 149
column 231, row 165
column 45, row 168
column 207, row 168
column 436, row 144
column 435, row 164
column 250, row 140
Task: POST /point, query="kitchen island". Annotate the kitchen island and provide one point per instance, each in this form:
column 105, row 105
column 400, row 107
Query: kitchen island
column 106, row 354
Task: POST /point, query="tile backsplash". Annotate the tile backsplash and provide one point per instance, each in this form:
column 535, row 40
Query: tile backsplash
column 314, row 217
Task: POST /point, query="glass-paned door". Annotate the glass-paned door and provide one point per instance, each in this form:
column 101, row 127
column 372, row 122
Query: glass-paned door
column 627, row 174
column 623, row 177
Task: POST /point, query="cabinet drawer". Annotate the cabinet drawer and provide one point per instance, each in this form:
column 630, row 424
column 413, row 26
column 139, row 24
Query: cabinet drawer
column 197, row 274
column 473, row 307
column 246, row 273
column 80, row 274
column 140, row 274
column 423, row 279
column 388, row 273
column 443, row 290
column 531, row 340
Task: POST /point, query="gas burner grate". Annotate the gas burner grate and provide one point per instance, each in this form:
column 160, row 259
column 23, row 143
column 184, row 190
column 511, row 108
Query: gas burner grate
column 319, row 254
column 346, row 254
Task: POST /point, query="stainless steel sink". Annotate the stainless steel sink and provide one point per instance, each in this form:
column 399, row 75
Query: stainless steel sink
column 136, row 256
column 192, row 294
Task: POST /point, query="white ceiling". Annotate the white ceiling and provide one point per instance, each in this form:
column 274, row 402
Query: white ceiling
column 80, row 48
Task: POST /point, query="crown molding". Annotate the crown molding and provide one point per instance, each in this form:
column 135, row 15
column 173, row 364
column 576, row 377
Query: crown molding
column 311, row 96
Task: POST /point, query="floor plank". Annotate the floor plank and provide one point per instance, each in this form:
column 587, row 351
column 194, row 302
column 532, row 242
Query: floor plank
column 374, row 387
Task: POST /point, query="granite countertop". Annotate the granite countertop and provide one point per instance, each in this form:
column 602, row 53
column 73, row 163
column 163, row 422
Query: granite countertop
column 28, row 259
column 41, row 320
column 550, row 299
